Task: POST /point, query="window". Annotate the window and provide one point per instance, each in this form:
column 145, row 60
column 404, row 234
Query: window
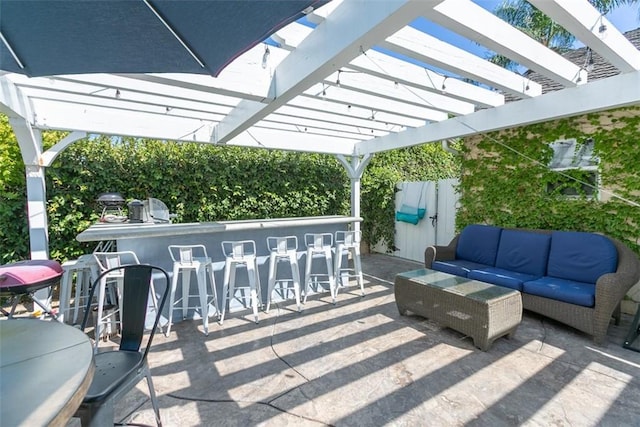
column 577, row 169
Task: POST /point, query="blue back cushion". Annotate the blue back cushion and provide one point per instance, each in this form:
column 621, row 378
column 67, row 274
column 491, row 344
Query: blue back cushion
column 523, row 252
column 479, row 243
column 582, row 257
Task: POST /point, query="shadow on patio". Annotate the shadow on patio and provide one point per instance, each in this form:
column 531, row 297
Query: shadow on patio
column 361, row 363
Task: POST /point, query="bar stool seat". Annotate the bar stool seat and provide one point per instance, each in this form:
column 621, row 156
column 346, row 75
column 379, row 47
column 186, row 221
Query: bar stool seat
column 188, row 259
column 320, row 244
column 349, row 242
column 240, row 253
column 283, row 249
column 80, row 272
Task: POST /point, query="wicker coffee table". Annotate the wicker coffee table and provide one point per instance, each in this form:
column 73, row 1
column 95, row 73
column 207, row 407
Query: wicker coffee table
column 480, row 310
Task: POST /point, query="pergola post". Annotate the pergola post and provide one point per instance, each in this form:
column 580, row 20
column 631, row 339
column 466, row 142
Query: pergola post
column 30, row 142
column 355, row 169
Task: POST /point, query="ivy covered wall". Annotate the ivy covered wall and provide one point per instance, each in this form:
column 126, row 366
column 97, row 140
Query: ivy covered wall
column 505, row 176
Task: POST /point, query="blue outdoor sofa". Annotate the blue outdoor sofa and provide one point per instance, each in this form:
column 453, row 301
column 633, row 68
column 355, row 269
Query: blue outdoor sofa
column 576, row 278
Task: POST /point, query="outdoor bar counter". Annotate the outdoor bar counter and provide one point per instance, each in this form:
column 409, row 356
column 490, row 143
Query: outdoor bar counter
column 150, row 241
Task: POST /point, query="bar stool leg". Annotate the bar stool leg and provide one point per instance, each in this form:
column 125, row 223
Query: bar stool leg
column 295, row 272
column 307, row 275
column 273, row 265
column 254, row 286
column 214, row 292
column 332, row 278
column 100, row 311
column 358, row 267
column 258, row 284
column 172, row 297
column 65, row 294
column 338, row 264
column 80, row 289
column 186, row 284
column 226, row 297
column 154, row 302
column 202, row 293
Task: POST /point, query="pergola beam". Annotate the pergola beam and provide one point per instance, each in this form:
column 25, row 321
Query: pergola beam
column 376, row 103
column 594, row 30
column 395, row 70
column 355, row 112
column 386, row 89
column 476, row 23
column 340, row 38
column 431, row 50
column 13, row 101
column 599, row 95
column 411, row 75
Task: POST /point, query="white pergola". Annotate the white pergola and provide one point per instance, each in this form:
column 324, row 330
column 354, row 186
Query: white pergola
column 359, row 79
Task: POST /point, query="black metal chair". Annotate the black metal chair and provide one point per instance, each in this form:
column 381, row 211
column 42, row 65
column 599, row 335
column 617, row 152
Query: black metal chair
column 120, row 370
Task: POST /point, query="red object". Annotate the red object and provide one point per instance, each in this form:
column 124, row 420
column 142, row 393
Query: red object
column 28, row 276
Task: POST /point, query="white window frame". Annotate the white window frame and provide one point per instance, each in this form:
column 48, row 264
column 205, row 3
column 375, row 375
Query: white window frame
column 569, row 160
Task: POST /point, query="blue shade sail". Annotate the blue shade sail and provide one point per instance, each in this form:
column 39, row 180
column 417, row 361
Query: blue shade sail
column 43, row 38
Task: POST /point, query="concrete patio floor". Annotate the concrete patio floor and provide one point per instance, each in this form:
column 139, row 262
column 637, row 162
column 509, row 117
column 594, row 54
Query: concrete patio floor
column 359, row 363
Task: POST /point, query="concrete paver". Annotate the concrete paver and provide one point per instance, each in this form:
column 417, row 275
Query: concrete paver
column 360, row 363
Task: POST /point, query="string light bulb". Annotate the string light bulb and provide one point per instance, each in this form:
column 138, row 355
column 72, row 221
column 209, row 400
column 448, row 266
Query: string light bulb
column 589, row 64
column 117, row 93
column 602, row 28
column 265, row 56
column 338, row 78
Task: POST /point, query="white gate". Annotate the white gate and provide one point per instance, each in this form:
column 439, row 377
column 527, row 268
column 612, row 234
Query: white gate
column 437, row 226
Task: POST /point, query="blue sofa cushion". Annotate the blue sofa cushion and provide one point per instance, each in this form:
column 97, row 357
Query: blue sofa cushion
column 501, row 277
column 570, row 291
column 581, row 257
column 479, row 244
column 523, row 252
column 458, row 267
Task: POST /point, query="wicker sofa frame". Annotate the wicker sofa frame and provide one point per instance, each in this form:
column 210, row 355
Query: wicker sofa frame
column 610, row 290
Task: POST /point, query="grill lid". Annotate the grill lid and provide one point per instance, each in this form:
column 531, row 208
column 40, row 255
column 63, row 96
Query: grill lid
column 110, row 199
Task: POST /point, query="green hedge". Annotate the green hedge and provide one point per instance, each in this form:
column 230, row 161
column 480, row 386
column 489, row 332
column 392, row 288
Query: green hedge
column 200, row 182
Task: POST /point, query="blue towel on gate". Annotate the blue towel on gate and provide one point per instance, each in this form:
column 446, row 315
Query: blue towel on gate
column 413, row 206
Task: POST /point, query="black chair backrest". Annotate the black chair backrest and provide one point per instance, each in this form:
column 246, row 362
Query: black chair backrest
column 136, row 284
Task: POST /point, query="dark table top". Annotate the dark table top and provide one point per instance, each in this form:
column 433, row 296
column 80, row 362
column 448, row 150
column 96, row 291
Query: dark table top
column 46, row 368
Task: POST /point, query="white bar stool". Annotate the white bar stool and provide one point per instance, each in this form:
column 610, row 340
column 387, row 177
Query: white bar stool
column 188, row 258
column 107, row 314
column 241, row 253
column 349, row 242
column 283, row 249
column 84, row 270
column 319, row 244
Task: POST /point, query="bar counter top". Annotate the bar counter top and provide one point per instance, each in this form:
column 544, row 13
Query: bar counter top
column 117, row 231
